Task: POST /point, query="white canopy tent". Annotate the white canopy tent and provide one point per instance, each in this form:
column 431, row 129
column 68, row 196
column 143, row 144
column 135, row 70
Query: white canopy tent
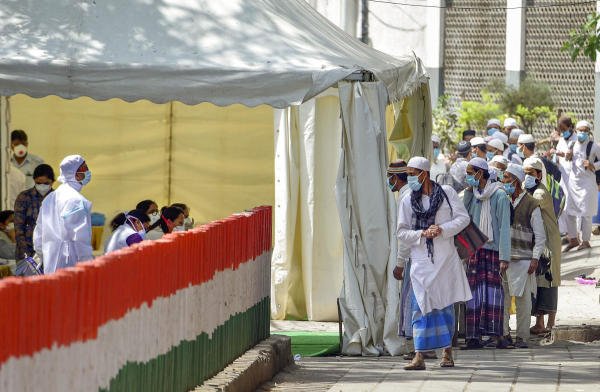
column 276, row 52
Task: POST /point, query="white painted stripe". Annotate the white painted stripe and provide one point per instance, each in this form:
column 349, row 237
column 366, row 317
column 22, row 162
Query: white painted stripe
column 142, row 334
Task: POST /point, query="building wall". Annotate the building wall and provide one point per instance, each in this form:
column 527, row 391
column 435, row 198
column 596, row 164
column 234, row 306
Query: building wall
column 572, row 83
column 474, row 47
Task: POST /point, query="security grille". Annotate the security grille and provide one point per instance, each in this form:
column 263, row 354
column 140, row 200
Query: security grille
column 572, row 83
column 474, row 50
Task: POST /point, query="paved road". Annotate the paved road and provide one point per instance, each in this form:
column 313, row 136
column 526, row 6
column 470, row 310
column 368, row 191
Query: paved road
column 560, row 367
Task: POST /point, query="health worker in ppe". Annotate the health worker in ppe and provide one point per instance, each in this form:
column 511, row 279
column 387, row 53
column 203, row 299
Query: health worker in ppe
column 128, row 229
column 63, row 233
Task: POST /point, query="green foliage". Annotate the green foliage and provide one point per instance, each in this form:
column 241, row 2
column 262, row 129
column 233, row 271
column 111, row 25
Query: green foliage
column 445, row 118
column 475, row 115
column 585, row 39
column 531, row 103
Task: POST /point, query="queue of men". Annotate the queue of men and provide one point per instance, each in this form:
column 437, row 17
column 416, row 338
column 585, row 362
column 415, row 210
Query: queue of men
column 521, row 201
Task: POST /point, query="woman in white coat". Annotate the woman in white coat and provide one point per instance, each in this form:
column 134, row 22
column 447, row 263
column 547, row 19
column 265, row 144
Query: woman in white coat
column 128, row 229
column 63, row 233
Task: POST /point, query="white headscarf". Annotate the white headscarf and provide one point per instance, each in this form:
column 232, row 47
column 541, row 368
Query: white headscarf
column 68, row 169
column 485, row 215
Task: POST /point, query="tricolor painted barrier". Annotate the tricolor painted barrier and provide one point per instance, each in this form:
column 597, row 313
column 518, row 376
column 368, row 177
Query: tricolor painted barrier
column 159, row 316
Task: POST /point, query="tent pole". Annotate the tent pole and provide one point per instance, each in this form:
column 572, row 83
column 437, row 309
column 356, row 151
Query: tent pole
column 4, row 148
column 170, row 152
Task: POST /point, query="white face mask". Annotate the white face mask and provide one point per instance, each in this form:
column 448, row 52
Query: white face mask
column 20, row 150
column 154, row 217
column 179, row 228
column 43, row 189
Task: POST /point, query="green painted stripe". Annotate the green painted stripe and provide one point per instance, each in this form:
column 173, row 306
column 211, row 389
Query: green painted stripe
column 190, row 363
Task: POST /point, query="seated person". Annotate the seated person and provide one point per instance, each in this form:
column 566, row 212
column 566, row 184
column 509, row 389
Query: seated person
column 128, row 229
column 7, row 235
column 170, row 218
column 188, row 223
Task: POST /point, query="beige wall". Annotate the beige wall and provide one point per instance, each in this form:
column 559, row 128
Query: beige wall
column 222, row 158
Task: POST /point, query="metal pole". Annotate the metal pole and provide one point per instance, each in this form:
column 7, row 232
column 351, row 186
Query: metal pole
column 170, row 152
column 365, row 22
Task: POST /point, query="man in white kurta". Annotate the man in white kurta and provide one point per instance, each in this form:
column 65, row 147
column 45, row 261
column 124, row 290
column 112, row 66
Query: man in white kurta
column 437, row 276
column 583, row 190
column 567, row 140
column 439, row 164
column 63, row 233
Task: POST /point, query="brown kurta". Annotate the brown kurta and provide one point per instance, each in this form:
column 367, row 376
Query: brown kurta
column 552, row 235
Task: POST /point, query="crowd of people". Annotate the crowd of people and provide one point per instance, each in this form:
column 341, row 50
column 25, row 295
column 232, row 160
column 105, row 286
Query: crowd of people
column 522, row 202
column 53, row 227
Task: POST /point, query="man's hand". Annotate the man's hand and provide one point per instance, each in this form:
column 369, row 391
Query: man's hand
column 588, row 165
column 503, row 266
column 398, row 272
column 533, row 266
column 569, row 155
column 560, row 154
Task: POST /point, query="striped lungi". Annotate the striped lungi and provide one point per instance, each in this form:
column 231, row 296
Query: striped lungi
column 485, row 312
column 432, row 330
column 405, row 324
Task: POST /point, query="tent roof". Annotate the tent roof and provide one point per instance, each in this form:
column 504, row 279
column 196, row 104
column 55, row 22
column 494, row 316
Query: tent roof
column 276, row 52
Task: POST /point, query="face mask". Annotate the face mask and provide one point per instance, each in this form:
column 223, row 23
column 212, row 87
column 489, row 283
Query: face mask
column 509, row 188
column 513, row 148
column 489, row 155
column 520, row 153
column 491, row 131
column 154, row 217
column 179, row 228
column 436, row 153
column 582, row 137
column 390, row 185
column 530, row 181
column 20, row 150
column 10, row 226
column 567, row 134
column 499, row 174
column 43, row 189
column 413, row 183
column 88, row 177
column 471, row 180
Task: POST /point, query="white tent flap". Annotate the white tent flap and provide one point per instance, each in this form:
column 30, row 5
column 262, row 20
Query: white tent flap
column 364, row 207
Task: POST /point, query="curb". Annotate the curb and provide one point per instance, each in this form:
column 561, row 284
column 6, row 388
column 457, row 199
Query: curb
column 255, row 367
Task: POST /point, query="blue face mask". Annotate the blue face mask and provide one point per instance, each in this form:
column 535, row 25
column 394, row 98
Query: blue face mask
column 87, row 178
column 582, row 137
column 499, row 175
column 489, row 155
column 530, row 181
column 567, row 134
column 390, row 185
column 509, row 188
column 491, row 131
column 513, row 148
column 471, row 180
column 413, row 183
column 436, row 153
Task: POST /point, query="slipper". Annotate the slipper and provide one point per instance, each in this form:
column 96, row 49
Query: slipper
column 535, row 331
column 447, row 363
column 571, row 245
column 584, row 245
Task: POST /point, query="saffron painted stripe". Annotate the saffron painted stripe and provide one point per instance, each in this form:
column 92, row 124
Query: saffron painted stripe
column 144, row 333
column 107, row 288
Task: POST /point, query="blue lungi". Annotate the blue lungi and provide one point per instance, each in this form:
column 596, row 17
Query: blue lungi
column 433, row 330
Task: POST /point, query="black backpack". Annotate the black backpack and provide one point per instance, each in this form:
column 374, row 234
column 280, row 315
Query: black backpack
column 588, row 151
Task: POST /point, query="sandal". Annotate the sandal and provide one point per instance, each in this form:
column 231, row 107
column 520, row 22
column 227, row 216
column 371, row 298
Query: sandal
column 535, row 331
column 410, row 356
column 584, row 245
column 472, row 344
column 505, row 343
column 520, row 343
column 415, row 365
column 572, row 245
column 447, row 361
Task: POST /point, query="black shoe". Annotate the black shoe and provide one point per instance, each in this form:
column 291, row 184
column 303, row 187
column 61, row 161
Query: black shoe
column 472, row 344
column 504, row 343
column 520, row 343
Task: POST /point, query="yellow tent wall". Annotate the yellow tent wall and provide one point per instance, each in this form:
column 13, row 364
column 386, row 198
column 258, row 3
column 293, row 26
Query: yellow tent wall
column 221, row 158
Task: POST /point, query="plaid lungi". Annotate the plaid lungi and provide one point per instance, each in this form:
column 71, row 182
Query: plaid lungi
column 432, row 330
column 405, row 322
column 485, row 312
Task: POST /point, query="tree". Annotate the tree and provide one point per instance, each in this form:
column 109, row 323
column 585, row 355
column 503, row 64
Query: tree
column 585, row 39
column 445, row 118
column 475, row 114
column 531, row 102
